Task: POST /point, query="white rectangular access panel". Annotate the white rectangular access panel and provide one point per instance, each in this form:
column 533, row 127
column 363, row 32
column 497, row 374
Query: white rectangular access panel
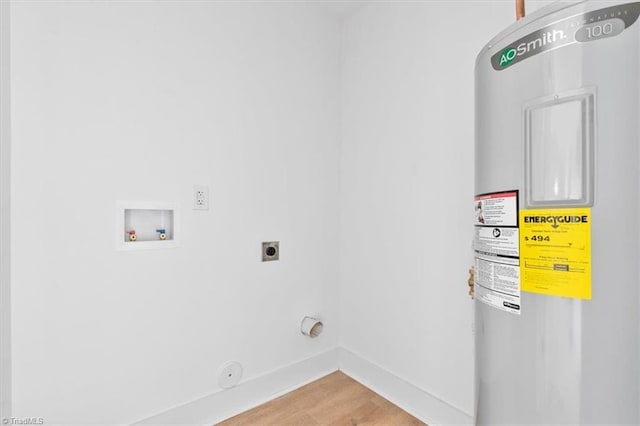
column 559, row 134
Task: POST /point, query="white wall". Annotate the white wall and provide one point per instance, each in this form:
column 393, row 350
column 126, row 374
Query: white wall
column 141, row 101
column 5, row 223
column 407, row 186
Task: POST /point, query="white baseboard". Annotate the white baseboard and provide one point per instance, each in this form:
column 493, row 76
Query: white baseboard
column 405, row 395
column 222, row 405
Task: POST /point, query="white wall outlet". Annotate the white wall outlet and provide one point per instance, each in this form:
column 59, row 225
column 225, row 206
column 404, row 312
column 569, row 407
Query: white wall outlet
column 200, row 197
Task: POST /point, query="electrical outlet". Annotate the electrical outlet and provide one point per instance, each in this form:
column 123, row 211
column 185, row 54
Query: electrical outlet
column 200, row 197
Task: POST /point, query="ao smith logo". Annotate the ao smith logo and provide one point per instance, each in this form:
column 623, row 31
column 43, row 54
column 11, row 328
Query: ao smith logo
column 526, row 48
column 583, row 28
column 555, row 220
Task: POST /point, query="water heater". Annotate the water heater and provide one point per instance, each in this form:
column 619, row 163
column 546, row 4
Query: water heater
column 557, row 218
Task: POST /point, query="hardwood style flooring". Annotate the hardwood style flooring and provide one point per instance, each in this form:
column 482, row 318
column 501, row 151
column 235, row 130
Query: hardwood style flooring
column 333, row 400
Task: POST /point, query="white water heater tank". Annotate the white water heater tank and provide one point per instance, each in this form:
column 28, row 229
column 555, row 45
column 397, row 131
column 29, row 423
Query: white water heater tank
column 557, row 218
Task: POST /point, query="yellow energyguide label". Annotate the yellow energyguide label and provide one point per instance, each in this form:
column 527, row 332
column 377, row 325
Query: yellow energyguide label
column 555, row 252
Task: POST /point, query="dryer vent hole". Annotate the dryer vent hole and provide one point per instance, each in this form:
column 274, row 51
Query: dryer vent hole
column 316, row 330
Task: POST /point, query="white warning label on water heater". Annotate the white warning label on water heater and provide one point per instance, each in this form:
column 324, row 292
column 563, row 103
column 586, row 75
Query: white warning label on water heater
column 497, row 283
column 497, row 248
column 496, row 209
column 497, row 241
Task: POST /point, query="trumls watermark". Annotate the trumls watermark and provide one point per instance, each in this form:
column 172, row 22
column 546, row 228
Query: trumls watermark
column 22, row 420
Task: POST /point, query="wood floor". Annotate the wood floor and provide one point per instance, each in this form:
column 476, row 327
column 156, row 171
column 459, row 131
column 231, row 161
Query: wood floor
column 333, row 400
